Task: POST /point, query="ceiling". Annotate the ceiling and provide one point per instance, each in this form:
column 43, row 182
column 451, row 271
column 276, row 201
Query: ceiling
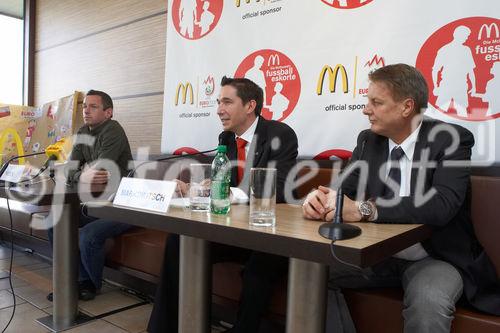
column 13, row 8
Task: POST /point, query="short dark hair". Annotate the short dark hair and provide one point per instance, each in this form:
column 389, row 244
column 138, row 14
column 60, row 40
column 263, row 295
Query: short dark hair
column 247, row 90
column 404, row 81
column 107, row 102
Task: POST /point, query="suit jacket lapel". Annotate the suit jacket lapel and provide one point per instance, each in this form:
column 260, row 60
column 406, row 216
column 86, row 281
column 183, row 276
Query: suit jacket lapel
column 420, row 145
column 255, row 152
column 380, row 154
column 377, row 155
column 257, row 147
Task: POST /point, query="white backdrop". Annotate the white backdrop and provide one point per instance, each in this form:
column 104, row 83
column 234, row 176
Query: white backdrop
column 285, row 45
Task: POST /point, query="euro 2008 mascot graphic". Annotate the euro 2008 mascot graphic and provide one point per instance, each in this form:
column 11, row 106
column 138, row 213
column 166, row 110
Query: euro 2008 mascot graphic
column 194, row 19
column 460, row 62
column 277, row 75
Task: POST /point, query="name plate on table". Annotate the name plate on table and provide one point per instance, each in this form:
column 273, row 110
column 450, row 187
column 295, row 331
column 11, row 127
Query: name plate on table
column 148, row 194
column 13, row 173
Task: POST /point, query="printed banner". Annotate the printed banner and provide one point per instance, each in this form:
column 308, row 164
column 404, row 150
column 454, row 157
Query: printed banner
column 312, row 59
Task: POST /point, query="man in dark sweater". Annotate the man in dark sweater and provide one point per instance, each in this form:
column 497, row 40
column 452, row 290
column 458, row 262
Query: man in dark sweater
column 100, row 144
column 109, row 142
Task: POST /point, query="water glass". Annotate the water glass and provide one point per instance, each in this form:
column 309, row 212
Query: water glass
column 199, row 189
column 263, row 197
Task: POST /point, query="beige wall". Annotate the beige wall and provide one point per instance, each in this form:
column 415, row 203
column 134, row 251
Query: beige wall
column 117, row 46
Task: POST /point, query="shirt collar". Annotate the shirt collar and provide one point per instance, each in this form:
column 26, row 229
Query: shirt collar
column 248, row 135
column 97, row 129
column 408, row 145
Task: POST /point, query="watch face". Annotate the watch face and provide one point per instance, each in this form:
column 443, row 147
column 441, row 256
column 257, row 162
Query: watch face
column 365, row 208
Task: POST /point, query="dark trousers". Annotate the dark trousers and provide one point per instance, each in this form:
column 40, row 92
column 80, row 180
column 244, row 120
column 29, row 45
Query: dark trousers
column 260, row 274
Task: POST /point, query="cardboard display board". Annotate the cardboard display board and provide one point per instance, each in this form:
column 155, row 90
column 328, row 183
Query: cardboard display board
column 25, row 130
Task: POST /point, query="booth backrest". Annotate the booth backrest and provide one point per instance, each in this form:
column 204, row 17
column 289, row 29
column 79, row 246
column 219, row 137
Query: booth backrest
column 316, row 177
column 485, row 193
column 164, row 170
column 486, row 219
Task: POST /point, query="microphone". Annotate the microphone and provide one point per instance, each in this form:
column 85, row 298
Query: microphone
column 58, row 151
column 162, row 159
column 337, row 230
column 46, row 165
column 6, row 164
column 225, row 137
column 339, row 203
column 362, row 148
column 54, row 152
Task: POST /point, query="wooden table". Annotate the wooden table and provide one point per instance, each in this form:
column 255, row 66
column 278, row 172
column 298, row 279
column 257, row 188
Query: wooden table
column 293, row 237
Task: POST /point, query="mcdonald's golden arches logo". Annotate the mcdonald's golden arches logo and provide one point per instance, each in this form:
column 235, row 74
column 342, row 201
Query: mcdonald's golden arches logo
column 4, row 137
column 332, row 79
column 238, row 2
column 488, row 28
column 274, row 60
column 184, row 89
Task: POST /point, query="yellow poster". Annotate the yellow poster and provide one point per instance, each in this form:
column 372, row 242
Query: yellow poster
column 25, row 130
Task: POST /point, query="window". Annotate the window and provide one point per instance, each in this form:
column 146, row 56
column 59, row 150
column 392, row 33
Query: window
column 11, row 54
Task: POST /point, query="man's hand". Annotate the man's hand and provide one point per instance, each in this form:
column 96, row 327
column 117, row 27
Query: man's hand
column 93, row 176
column 350, row 211
column 319, row 203
column 182, row 188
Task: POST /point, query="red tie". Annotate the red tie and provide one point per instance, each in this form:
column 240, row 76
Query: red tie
column 241, row 143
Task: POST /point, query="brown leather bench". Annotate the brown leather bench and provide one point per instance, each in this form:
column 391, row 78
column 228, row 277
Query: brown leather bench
column 21, row 217
column 373, row 310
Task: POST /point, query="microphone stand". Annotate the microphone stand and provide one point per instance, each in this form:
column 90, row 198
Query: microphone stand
column 337, row 230
column 131, row 173
column 6, row 164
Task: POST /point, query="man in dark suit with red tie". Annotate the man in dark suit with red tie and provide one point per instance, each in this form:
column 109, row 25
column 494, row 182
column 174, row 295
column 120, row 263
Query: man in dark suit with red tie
column 411, row 169
column 251, row 141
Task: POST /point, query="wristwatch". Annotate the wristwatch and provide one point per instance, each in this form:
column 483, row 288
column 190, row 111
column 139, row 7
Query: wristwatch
column 365, row 209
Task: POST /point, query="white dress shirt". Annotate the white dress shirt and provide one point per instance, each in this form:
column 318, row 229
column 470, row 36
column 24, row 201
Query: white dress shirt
column 416, row 251
column 248, row 135
column 238, row 196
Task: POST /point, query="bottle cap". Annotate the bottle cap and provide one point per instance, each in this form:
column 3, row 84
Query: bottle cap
column 222, row 149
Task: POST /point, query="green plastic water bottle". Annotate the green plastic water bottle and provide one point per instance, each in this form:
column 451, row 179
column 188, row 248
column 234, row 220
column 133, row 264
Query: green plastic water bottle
column 220, row 181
